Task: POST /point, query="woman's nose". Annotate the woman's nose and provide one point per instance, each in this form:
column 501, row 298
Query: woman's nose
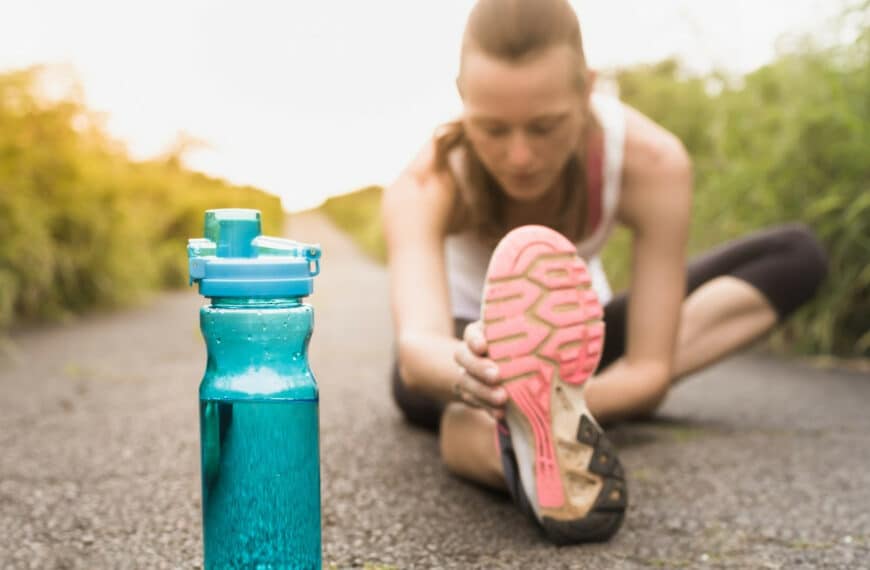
column 519, row 151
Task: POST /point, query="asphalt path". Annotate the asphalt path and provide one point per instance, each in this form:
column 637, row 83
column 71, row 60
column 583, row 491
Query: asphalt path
column 756, row 463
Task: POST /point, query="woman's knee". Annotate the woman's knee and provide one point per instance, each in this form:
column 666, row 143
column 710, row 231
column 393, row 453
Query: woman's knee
column 789, row 266
column 804, row 270
column 804, row 245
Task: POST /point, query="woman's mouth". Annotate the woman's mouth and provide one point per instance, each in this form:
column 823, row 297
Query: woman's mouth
column 523, row 178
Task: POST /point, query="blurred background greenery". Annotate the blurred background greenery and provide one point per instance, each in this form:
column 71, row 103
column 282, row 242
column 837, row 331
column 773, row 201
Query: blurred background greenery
column 82, row 225
column 787, row 142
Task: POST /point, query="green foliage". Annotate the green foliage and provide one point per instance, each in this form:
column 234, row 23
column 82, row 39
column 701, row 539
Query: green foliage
column 82, row 225
column 358, row 213
column 788, row 142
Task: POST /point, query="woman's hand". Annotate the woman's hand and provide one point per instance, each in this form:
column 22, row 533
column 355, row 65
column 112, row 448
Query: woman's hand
column 478, row 381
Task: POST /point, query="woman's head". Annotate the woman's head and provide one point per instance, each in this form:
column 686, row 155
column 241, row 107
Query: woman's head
column 524, row 85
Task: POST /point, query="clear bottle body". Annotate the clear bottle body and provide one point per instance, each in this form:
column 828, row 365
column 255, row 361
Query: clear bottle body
column 259, row 436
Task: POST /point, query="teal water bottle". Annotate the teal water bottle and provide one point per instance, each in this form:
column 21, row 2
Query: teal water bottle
column 258, row 400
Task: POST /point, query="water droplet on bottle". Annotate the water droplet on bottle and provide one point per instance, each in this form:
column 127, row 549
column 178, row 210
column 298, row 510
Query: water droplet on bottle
column 218, row 340
column 249, row 337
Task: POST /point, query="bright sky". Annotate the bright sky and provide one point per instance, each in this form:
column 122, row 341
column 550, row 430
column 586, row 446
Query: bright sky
column 312, row 99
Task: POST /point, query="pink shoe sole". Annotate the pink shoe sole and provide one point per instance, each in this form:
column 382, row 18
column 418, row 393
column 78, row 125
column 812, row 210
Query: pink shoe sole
column 544, row 327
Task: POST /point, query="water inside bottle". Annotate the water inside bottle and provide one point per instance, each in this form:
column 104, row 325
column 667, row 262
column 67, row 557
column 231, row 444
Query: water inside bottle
column 261, row 484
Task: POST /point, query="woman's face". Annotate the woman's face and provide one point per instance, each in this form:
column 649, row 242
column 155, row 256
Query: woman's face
column 523, row 119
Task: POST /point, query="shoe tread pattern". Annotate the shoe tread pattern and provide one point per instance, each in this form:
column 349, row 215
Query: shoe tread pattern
column 542, row 318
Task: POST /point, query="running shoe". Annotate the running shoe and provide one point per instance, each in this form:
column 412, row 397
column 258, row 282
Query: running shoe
column 544, row 327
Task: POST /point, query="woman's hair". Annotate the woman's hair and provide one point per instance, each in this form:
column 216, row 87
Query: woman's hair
column 513, row 30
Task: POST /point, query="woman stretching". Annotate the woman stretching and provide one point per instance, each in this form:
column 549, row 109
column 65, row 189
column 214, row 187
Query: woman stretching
column 518, row 352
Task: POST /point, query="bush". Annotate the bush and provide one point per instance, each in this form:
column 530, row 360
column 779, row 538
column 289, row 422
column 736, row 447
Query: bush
column 82, row 225
column 358, row 214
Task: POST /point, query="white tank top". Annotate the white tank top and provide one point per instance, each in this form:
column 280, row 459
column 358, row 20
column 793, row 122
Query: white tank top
column 467, row 257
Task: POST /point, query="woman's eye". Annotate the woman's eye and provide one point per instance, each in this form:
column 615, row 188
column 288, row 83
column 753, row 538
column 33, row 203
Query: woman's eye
column 495, row 131
column 542, row 129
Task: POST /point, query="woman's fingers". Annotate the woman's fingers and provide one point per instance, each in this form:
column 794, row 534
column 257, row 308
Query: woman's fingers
column 474, row 392
column 475, row 339
column 478, row 381
column 483, row 369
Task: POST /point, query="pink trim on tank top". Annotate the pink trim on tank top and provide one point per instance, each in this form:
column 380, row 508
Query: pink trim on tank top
column 594, row 182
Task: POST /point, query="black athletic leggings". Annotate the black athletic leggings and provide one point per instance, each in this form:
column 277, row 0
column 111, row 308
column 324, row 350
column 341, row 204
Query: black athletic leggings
column 786, row 264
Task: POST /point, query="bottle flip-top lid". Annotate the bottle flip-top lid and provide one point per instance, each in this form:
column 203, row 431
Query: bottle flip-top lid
column 234, row 260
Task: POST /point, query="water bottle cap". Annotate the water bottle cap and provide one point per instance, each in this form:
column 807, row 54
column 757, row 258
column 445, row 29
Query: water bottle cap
column 234, row 260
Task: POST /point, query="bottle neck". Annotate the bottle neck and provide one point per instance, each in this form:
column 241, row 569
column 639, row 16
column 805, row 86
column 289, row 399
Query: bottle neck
column 255, row 302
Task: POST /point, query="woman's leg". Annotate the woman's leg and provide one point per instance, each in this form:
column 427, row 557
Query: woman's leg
column 467, row 435
column 720, row 317
column 419, row 409
column 736, row 293
column 469, row 447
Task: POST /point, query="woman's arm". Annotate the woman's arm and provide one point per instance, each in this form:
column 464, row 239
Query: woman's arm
column 655, row 205
column 415, row 214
